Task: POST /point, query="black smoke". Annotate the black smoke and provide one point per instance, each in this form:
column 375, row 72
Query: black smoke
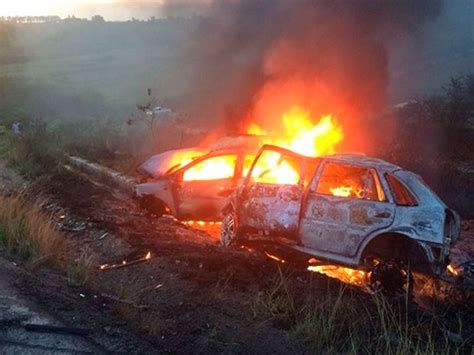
column 255, row 58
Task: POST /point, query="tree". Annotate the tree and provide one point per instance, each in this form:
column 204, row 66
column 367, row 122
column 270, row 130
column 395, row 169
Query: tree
column 98, row 19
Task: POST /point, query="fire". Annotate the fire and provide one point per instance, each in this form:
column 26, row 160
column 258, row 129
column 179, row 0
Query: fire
column 210, row 227
column 221, row 167
column 346, row 191
column 452, row 270
column 343, row 191
column 274, row 257
column 344, row 274
column 302, row 136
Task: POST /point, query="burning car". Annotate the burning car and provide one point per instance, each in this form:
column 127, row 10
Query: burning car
column 193, row 184
column 350, row 210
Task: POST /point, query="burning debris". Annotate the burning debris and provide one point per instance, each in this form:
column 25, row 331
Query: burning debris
column 125, row 263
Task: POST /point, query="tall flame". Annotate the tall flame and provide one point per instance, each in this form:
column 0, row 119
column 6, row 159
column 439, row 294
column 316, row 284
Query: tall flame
column 301, row 135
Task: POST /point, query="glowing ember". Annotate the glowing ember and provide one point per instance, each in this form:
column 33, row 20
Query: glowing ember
column 210, row 227
column 125, row 263
column 275, row 257
column 452, row 270
column 344, row 274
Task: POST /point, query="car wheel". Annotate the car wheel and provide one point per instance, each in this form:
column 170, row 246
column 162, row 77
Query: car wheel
column 229, row 232
column 152, row 205
column 391, row 278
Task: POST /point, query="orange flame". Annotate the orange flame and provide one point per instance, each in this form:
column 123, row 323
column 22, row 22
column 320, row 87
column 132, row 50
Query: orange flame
column 344, row 274
column 274, row 257
column 300, row 135
column 452, row 270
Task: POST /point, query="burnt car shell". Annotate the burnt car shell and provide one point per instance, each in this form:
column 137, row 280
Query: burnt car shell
column 347, row 230
column 193, row 200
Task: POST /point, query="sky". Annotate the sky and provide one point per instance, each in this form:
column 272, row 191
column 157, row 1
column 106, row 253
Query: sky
column 110, row 9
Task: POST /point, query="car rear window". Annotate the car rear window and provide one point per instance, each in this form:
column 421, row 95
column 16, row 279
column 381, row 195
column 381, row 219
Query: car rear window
column 401, row 194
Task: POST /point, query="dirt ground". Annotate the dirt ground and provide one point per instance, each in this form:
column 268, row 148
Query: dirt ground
column 191, row 296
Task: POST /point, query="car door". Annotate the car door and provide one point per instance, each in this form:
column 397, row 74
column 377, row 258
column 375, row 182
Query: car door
column 273, row 192
column 345, row 203
column 200, row 186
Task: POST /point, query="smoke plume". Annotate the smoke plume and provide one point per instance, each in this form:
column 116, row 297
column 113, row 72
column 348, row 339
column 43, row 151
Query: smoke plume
column 258, row 58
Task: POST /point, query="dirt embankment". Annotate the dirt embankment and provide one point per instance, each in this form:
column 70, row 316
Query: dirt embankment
column 192, row 296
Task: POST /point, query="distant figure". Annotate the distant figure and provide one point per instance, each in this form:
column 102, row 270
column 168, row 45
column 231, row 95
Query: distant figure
column 17, row 128
column 3, row 129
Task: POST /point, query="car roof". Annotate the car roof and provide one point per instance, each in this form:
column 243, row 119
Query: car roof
column 358, row 159
column 363, row 160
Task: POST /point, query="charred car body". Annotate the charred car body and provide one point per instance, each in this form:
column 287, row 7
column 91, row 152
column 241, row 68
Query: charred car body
column 346, row 209
column 193, row 184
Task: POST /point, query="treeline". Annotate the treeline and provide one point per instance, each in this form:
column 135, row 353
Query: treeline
column 96, row 18
column 30, row 19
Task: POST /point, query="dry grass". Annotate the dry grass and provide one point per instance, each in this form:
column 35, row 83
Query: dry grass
column 81, row 270
column 25, row 230
column 340, row 321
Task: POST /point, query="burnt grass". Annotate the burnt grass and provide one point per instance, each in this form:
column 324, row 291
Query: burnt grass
column 194, row 296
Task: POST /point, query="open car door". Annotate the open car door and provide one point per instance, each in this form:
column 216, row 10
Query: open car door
column 273, row 192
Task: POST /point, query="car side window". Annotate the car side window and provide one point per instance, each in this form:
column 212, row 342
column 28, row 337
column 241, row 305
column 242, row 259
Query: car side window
column 214, row 168
column 401, row 194
column 350, row 181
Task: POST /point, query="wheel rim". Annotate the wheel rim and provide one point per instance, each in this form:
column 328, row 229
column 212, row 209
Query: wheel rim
column 228, row 230
column 391, row 278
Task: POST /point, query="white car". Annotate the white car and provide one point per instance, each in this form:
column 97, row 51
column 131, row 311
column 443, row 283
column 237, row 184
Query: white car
column 346, row 209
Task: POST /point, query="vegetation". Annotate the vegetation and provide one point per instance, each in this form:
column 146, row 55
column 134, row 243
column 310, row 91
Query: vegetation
column 434, row 136
column 342, row 321
column 26, row 231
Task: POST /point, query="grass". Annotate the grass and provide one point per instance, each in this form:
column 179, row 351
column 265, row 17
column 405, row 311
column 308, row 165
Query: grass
column 80, row 271
column 341, row 321
column 26, row 231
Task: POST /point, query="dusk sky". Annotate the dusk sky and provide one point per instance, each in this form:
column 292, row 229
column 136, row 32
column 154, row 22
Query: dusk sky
column 110, row 9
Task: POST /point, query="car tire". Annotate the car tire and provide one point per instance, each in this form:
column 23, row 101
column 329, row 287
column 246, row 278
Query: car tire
column 229, row 232
column 392, row 278
column 152, row 205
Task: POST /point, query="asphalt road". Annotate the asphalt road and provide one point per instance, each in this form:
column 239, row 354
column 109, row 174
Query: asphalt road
column 17, row 313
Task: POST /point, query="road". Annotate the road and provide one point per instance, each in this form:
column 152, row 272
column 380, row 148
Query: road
column 16, row 312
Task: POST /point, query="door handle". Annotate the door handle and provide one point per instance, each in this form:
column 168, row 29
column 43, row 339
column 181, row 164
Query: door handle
column 383, row 215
